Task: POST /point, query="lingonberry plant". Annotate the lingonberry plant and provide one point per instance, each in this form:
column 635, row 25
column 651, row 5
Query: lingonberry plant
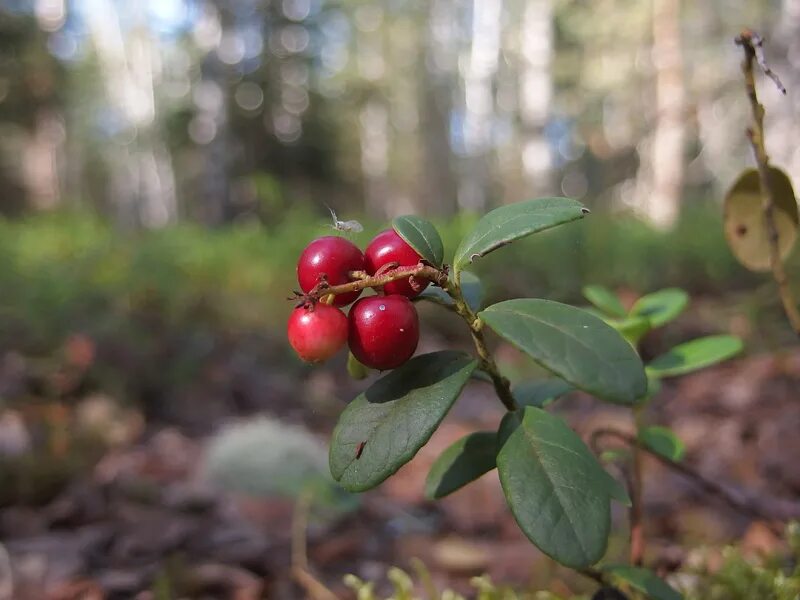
column 558, row 492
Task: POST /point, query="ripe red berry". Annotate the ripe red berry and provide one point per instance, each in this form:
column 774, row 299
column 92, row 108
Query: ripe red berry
column 387, row 247
column 383, row 331
column 334, row 257
column 317, row 333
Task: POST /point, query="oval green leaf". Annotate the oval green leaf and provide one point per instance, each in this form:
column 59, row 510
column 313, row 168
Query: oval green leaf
column 573, row 344
column 422, row 236
column 604, row 299
column 744, row 218
column 644, row 581
column 557, row 491
column 508, row 223
column 471, row 289
column 663, row 442
column 632, row 328
column 540, row 393
column 463, row 462
column 662, row 306
column 695, row 355
column 385, row 426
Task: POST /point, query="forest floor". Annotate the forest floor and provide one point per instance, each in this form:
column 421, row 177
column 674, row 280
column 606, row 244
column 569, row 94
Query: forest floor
column 141, row 521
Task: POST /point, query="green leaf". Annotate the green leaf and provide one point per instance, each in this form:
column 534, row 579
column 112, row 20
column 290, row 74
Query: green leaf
column 695, row 355
column 575, row 345
column 744, row 218
column 557, row 491
column 463, row 462
column 508, row 223
column 662, row 306
column 383, row 428
column 644, row 581
column 422, row 236
column 471, row 289
column 355, row 369
column 540, row 393
column 605, row 300
column 632, row 328
column 663, row 442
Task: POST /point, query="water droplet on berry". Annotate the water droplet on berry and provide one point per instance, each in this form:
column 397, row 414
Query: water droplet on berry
column 382, row 307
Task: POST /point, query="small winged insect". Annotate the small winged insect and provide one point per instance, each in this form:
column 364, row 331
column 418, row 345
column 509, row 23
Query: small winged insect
column 345, row 226
column 360, row 449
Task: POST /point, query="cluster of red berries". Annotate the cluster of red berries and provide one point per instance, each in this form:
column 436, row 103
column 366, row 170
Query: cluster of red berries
column 382, row 331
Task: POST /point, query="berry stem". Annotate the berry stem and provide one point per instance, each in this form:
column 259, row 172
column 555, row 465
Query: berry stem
column 362, row 281
column 502, row 386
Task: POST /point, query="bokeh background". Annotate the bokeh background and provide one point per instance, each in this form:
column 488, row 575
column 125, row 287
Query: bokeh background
column 164, row 162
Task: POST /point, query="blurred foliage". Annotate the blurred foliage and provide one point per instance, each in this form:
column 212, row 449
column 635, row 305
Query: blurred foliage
column 744, row 577
column 68, row 271
column 739, row 576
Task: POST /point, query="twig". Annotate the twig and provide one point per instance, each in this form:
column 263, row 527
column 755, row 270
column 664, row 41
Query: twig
column 758, row 46
column 502, row 386
column 300, row 571
column 362, row 282
column 752, row 45
column 637, row 511
column 761, row 508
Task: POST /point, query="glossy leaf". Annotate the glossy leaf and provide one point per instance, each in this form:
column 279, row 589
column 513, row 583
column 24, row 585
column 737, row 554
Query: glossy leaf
column 604, row 299
column 508, row 223
column 695, row 355
column 422, row 236
column 463, row 462
column 385, row 426
column 662, row 306
column 540, row 393
column 572, row 343
column 744, row 218
column 644, row 581
column 471, row 289
column 556, row 489
column 663, row 442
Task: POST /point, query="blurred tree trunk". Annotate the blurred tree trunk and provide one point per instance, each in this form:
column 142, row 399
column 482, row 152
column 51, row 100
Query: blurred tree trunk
column 436, row 101
column 143, row 186
column 374, row 132
column 41, row 159
column 478, row 79
column 536, row 90
column 662, row 205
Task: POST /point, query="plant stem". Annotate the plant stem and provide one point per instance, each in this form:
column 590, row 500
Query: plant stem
column 502, row 386
column 763, row 508
column 751, row 44
column 363, row 281
column 299, row 567
column 637, row 512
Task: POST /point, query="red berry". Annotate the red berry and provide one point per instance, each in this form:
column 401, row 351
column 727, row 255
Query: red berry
column 334, row 257
column 317, row 332
column 387, row 247
column 384, row 331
